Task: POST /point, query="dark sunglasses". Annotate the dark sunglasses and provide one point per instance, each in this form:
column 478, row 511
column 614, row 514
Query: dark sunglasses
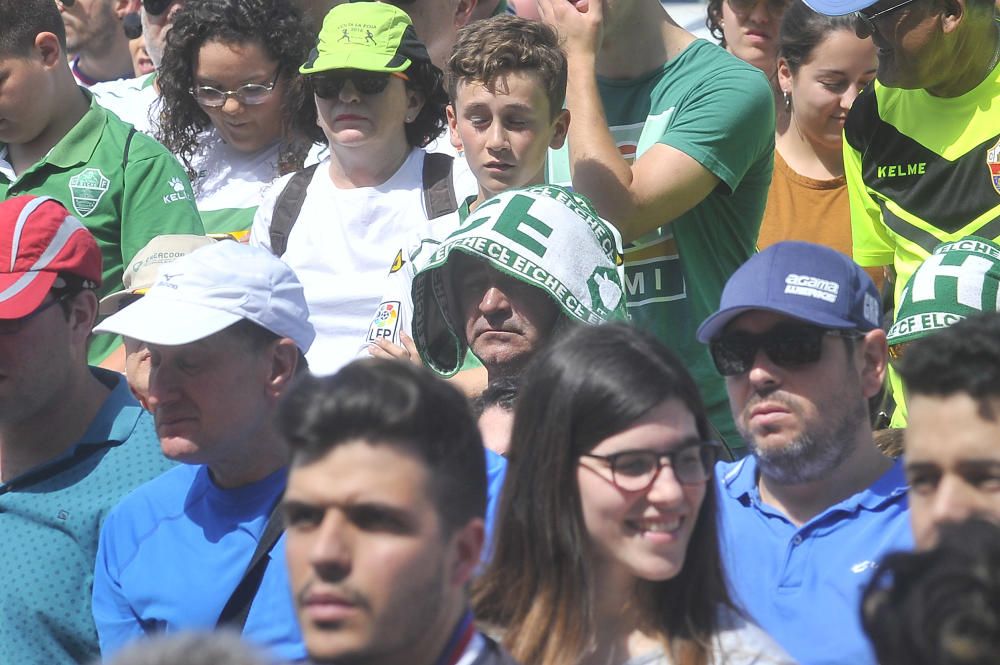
column 14, row 326
column 790, row 345
column 776, row 7
column 636, row 470
column 864, row 24
column 328, row 86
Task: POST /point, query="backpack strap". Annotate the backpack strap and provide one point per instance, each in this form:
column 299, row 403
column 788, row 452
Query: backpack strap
column 234, row 614
column 287, row 208
column 439, row 190
column 128, row 145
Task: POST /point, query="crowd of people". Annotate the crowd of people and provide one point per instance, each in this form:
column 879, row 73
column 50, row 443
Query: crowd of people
column 489, row 332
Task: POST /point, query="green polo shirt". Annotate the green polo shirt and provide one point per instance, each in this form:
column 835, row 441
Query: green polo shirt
column 50, row 518
column 124, row 199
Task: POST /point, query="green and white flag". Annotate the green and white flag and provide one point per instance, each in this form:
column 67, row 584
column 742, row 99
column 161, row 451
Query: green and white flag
column 959, row 279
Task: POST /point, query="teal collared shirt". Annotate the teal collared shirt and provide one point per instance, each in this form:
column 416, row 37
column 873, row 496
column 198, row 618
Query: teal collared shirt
column 50, row 518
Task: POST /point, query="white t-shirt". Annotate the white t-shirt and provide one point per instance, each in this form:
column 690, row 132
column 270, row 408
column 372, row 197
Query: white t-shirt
column 341, row 248
column 134, row 100
column 738, row 642
column 230, row 184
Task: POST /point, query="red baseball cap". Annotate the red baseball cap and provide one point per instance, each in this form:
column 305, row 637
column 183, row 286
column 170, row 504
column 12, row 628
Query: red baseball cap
column 39, row 239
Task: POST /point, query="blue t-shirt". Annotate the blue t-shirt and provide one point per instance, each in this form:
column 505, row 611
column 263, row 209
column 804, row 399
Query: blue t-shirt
column 50, row 518
column 496, row 471
column 803, row 585
column 172, row 553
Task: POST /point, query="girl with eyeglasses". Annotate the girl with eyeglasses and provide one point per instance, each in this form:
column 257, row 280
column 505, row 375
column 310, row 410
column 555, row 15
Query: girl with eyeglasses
column 379, row 100
column 822, row 66
column 606, row 549
column 235, row 110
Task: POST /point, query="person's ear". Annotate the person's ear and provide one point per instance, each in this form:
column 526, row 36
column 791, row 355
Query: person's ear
column 466, row 546
column 284, row 362
column 952, row 14
column 561, row 127
column 874, row 361
column 463, row 12
column 456, row 140
column 48, row 49
column 414, row 103
column 82, row 315
column 784, row 76
column 123, row 7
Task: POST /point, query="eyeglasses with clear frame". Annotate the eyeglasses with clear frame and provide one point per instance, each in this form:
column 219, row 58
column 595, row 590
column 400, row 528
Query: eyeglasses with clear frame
column 636, row 470
column 250, row 94
column 864, row 24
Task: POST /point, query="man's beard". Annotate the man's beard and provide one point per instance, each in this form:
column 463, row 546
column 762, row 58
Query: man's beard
column 814, row 454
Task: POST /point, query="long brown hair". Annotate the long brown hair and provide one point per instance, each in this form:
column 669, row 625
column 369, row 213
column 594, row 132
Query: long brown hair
column 539, row 586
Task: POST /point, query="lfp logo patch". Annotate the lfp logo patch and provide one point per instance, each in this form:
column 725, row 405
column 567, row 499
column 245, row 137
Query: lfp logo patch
column 385, row 323
column 993, row 161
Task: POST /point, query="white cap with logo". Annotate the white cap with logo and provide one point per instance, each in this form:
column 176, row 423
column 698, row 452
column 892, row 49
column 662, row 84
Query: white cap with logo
column 212, row 288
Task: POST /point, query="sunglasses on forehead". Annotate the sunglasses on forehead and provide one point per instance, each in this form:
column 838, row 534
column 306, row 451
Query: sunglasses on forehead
column 864, row 20
column 790, row 345
column 328, row 86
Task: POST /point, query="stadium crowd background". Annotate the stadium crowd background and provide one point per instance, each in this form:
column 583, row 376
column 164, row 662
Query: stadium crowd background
column 500, row 331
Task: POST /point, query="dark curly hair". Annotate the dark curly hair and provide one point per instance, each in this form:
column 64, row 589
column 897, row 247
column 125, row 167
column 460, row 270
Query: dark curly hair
column 279, row 28
column 941, row 606
column 964, row 358
column 713, row 21
column 427, row 79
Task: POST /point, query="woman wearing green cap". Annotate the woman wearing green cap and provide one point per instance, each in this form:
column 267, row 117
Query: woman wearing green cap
column 379, row 100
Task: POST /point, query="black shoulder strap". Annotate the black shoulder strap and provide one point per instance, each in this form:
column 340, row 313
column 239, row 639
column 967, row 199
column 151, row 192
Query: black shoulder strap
column 287, row 208
column 439, row 191
column 128, row 144
column 234, row 614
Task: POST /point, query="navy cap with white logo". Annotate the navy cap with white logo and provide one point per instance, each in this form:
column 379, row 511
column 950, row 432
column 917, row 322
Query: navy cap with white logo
column 803, row 280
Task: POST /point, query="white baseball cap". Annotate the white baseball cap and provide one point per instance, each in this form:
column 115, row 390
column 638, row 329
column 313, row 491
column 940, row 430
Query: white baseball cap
column 212, row 288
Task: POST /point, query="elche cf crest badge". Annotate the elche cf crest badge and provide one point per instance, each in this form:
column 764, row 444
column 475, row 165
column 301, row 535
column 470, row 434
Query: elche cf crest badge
column 86, row 189
column 993, row 161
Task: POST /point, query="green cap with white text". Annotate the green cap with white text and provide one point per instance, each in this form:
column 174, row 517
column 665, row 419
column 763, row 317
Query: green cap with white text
column 368, row 36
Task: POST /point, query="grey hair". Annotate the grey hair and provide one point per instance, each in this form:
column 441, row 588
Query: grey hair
column 190, row 648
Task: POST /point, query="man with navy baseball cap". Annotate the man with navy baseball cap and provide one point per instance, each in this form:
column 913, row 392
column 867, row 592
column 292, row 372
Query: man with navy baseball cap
column 804, row 518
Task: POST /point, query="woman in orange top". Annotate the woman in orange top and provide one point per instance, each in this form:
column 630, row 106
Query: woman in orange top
column 822, row 66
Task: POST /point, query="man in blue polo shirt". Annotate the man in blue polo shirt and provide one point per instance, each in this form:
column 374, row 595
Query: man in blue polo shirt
column 804, row 518
column 73, row 440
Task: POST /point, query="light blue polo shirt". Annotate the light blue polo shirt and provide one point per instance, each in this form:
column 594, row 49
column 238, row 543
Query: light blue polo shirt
column 803, row 585
column 50, row 518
